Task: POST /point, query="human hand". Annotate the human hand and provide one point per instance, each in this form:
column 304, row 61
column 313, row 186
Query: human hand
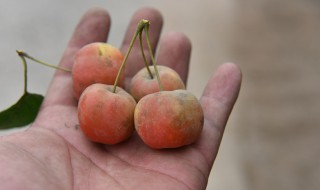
column 54, row 154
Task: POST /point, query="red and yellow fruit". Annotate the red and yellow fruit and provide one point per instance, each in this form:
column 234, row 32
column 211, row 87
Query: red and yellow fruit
column 169, row 119
column 143, row 84
column 105, row 116
column 96, row 63
column 166, row 115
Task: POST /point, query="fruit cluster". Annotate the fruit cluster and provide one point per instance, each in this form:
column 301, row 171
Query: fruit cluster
column 157, row 106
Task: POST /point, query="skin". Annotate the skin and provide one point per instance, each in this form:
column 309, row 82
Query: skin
column 54, row 154
column 142, row 84
column 169, row 119
column 96, row 63
column 102, row 116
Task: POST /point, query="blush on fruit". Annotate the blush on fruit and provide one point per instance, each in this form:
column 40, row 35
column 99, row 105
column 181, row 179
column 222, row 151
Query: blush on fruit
column 143, row 84
column 169, row 119
column 104, row 116
column 96, row 63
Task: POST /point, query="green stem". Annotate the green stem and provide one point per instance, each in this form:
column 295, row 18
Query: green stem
column 24, row 62
column 146, row 28
column 23, row 54
column 144, row 57
column 140, row 27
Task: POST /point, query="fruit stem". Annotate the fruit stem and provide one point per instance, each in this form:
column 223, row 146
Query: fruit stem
column 144, row 57
column 142, row 23
column 146, row 28
column 23, row 54
column 24, row 62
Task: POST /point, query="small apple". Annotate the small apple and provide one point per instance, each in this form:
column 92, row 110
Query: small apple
column 105, row 116
column 143, row 83
column 96, row 63
column 169, row 119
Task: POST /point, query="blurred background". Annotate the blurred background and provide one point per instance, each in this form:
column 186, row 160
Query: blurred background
column 272, row 140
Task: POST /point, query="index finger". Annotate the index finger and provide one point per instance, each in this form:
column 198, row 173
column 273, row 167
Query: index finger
column 93, row 27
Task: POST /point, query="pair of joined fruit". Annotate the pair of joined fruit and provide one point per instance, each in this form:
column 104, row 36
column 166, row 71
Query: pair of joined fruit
column 156, row 105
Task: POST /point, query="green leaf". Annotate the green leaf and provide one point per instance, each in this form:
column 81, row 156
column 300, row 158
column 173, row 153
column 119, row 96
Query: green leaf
column 21, row 113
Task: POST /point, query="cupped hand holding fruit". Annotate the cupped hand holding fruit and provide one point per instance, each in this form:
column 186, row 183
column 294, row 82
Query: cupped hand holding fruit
column 164, row 118
column 72, row 162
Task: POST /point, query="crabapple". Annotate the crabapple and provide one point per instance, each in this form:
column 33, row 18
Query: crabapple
column 143, row 83
column 105, row 116
column 96, row 62
column 168, row 119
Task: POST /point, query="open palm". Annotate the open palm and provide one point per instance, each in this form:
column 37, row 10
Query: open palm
column 54, row 154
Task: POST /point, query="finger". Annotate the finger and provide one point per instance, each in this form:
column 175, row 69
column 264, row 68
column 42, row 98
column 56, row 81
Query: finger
column 93, row 27
column 174, row 52
column 217, row 101
column 135, row 60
